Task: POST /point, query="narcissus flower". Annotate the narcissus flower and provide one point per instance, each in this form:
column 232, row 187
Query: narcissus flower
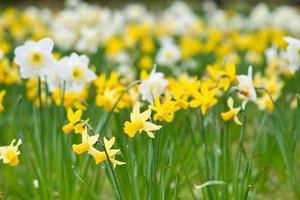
column 74, row 124
column 74, row 71
column 86, row 144
column 35, row 58
column 232, row 113
column 2, row 94
column 245, row 87
column 10, row 154
column 100, row 156
column 153, row 86
column 139, row 122
column 205, row 98
column 164, row 111
column 292, row 53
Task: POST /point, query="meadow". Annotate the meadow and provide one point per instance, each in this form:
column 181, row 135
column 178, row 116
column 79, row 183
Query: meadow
column 131, row 103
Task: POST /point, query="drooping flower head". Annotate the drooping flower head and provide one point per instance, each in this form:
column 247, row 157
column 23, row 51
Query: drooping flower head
column 35, row 58
column 100, row 156
column 86, row 144
column 232, row 113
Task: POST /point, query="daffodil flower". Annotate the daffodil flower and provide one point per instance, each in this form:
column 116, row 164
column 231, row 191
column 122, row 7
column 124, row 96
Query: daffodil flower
column 206, row 98
column 246, row 88
column 35, row 58
column 100, row 156
column 164, row 111
column 74, row 124
column 153, row 86
column 139, row 122
column 292, row 53
column 10, row 154
column 232, row 113
column 86, row 144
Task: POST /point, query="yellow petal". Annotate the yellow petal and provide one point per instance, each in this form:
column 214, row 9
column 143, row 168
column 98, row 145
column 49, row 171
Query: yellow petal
column 80, row 148
column 68, row 128
column 227, row 115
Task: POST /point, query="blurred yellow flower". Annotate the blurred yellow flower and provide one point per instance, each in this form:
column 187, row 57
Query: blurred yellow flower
column 205, row 98
column 2, row 94
column 232, row 113
column 74, row 122
column 164, row 111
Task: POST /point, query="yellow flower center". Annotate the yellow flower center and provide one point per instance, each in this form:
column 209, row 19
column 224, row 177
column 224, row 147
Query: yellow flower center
column 36, row 59
column 131, row 128
column 78, row 73
column 12, row 156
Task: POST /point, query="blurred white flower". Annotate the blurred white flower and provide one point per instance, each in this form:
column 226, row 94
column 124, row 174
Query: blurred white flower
column 74, row 71
column 259, row 16
column 36, row 183
column 1, row 54
column 292, row 53
column 35, row 58
column 245, row 87
column 89, row 40
column 153, row 86
column 168, row 54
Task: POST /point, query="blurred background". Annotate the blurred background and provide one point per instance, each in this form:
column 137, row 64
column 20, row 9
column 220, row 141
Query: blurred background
column 156, row 3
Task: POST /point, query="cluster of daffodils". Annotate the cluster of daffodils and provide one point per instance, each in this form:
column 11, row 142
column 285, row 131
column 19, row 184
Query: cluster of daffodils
column 161, row 63
column 89, row 142
column 131, row 40
column 62, row 77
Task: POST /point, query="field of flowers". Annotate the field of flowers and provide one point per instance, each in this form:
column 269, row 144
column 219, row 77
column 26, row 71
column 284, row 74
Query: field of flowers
column 129, row 103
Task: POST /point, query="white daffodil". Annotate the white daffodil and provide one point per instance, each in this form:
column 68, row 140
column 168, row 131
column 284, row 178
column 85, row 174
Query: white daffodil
column 35, row 58
column 292, row 53
column 245, row 87
column 153, row 86
column 168, row 54
column 74, row 71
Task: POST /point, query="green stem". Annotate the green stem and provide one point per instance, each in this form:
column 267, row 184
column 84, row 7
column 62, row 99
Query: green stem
column 206, row 155
column 113, row 173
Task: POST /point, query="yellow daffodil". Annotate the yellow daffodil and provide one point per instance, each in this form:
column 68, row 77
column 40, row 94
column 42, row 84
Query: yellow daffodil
column 232, row 113
column 139, row 122
column 10, row 154
column 205, row 98
column 86, row 144
column 100, row 156
column 2, row 94
column 164, row 111
column 74, row 124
